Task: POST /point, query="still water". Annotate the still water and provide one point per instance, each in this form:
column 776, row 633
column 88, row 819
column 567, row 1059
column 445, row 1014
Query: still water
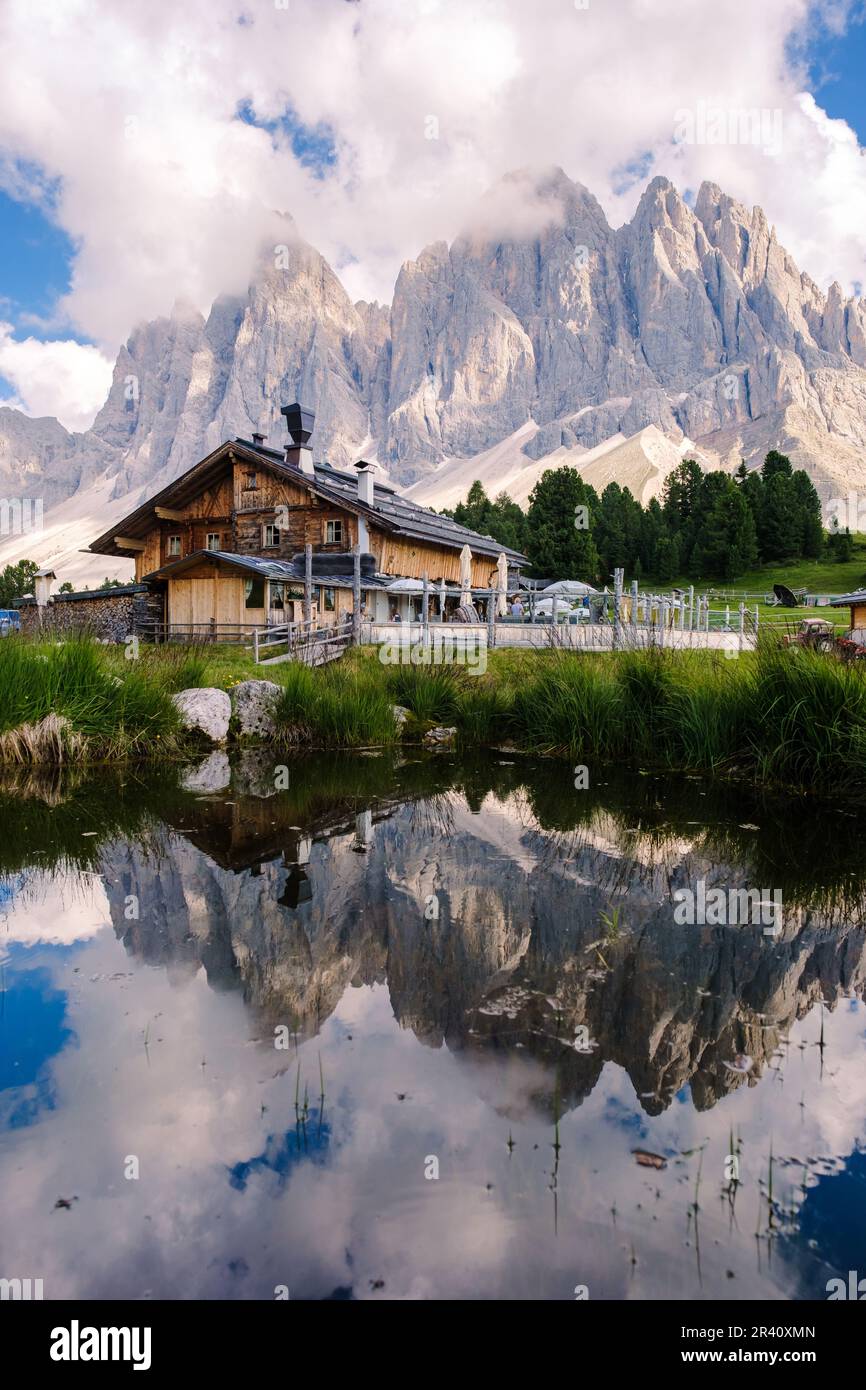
column 422, row 1027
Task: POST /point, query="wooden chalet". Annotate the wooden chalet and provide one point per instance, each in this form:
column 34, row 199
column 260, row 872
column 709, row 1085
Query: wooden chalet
column 223, row 545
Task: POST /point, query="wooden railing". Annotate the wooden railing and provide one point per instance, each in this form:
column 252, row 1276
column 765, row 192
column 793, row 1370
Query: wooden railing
column 196, row 632
column 312, row 643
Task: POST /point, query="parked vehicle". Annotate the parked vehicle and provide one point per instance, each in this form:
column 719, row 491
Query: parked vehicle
column 817, row 633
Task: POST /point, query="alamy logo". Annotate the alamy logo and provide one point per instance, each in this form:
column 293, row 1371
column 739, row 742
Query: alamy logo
column 855, row 1289
column 23, row 1289
column 20, row 515
column 729, row 907
column 706, row 124
column 75, row 1343
column 449, row 647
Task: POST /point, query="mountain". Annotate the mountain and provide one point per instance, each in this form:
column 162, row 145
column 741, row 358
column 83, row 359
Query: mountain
column 688, row 330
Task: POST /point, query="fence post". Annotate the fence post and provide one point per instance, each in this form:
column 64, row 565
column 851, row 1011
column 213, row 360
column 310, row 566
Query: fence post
column 756, row 619
column 618, row 576
column 356, row 595
column 256, row 645
column 425, row 611
column 691, row 607
column 634, row 593
column 308, row 584
column 742, row 624
column 491, row 620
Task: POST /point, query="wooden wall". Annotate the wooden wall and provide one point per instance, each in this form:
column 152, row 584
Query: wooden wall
column 409, row 559
column 198, row 599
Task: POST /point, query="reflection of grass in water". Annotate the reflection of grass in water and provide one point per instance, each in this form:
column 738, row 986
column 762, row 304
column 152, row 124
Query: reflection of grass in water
column 762, row 838
column 63, row 823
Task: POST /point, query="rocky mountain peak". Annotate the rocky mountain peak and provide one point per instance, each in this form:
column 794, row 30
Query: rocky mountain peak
column 539, row 317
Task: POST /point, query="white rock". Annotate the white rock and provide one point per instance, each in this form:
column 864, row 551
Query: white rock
column 253, row 704
column 440, row 735
column 401, row 714
column 207, row 710
column 212, row 775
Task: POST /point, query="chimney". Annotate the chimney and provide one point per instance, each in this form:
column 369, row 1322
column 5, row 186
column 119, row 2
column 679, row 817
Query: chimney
column 300, row 425
column 259, row 439
column 365, row 482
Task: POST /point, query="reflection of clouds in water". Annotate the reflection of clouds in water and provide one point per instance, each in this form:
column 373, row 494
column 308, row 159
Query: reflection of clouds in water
column 57, row 910
column 189, row 1106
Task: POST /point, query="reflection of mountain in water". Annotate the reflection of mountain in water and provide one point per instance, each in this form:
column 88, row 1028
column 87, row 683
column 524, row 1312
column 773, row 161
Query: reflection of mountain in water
column 527, row 947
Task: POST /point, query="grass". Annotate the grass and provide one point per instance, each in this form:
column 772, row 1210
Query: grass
column 817, row 576
column 788, row 719
column 342, row 705
column 71, row 696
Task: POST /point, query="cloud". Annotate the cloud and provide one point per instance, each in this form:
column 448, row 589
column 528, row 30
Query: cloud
column 65, row 379
column 133, row 114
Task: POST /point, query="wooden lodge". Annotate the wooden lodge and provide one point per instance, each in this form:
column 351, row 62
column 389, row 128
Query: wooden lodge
column 223, row 546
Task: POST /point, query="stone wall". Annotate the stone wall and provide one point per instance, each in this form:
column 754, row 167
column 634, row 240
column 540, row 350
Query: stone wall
column 110, row 614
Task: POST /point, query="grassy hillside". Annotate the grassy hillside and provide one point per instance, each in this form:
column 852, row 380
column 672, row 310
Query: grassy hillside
column 818, row 576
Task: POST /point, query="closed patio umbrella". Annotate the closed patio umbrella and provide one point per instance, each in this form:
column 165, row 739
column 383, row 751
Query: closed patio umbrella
column 465, row 575
column 502, row 586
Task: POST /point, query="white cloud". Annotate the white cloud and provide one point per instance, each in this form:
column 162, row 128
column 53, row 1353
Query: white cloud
column 66, row 379
column 430, row 101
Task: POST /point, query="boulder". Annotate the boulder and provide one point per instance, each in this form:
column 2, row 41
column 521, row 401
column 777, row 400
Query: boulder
column 206, row 711
column 401, row 714
column 440, row 737
column 253, row 705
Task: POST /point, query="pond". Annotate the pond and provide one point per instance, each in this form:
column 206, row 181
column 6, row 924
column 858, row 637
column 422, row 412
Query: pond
column 421, row 1027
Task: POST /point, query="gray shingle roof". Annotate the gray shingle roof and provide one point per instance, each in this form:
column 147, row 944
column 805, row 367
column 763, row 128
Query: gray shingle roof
column 267, row 569
column 859, row 596
column 406, row 518
column 393, row 513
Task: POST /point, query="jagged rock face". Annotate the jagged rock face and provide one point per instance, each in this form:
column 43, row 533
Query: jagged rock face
column 183, row 385
column 694, row 320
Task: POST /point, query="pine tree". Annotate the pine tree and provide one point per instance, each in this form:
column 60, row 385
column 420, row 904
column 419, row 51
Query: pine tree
column 680, row 506
column 726, row 541
column 558, row 545
column 780, row 519
column 811, row 522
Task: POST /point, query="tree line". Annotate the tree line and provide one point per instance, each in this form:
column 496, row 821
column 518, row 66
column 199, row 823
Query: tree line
column 712, row 525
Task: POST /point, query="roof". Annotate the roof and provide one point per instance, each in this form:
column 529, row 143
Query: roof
column 264, row 569
column 389, row 510
column 846, row 600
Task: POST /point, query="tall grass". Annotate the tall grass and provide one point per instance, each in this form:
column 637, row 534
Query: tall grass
column 432, row 693
column 338, row 706
column 111, row 712
column 782, row 717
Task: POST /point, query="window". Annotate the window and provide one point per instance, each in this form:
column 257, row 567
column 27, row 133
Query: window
column 213, row 540
column 278, row 592
column 254, row 593
column 270, row 535
column 333, row 533
column 327, row 600
column 250, row 480
column 174, row 545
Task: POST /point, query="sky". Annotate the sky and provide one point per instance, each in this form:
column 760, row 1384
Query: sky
column 145, row 149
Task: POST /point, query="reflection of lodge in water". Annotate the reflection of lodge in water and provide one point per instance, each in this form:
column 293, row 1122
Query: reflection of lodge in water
column 297, row 905
column 245, row 834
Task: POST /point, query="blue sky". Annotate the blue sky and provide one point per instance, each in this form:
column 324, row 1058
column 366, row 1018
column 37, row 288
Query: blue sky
column 837, row 69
